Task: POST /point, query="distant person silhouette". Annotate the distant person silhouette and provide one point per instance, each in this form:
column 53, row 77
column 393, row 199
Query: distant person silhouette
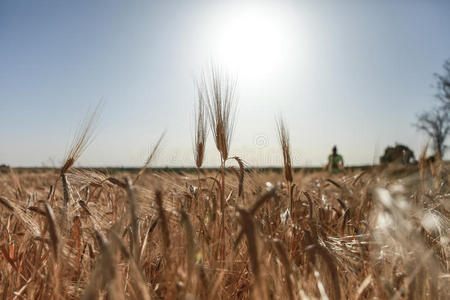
column 335, row 162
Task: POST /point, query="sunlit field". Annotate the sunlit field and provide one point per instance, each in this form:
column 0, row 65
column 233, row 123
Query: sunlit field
column 236, row 105
column 380, row 233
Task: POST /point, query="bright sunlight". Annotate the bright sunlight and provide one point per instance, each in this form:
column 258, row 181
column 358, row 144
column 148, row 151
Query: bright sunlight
column 251, row 42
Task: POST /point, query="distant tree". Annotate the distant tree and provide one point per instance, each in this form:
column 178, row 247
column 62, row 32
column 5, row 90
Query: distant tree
column 399, row 153
column 435, row 123
column 443, row 86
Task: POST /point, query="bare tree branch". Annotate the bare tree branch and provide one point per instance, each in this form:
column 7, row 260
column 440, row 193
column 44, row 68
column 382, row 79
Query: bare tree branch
column 443, row 86
column 436, row 124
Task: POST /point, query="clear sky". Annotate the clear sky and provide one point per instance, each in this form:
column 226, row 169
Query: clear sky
column 350, row 73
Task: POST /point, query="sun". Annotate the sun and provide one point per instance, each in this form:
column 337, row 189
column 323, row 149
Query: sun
column 253, row 43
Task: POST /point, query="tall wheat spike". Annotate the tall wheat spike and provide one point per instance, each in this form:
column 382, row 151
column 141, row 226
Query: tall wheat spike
column 283, row 136
column 219, row 93
column 201, row 128
column 149, row 158
column 83, row 138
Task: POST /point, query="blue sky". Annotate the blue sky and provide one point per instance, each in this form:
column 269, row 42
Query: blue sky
column 353, row 73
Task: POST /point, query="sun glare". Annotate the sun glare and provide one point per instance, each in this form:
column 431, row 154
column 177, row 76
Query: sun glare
column 252, row 43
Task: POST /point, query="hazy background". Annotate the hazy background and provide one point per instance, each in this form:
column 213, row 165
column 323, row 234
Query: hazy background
column 350, row 73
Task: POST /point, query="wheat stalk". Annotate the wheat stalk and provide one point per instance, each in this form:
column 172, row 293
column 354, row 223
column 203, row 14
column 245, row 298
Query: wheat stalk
column 201, row 128
column 219, row 93
column 283, row 137
column 149, row 158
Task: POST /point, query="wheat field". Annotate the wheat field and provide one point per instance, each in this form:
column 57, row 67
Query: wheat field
column 381, row 233
column 230, row 233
